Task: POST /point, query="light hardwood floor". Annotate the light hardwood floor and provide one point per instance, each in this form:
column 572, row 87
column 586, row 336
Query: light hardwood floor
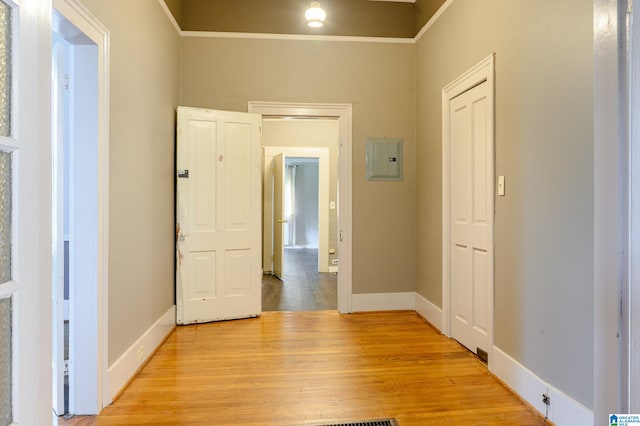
column 294, row 368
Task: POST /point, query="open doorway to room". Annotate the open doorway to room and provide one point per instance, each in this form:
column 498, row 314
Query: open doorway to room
column 79, row 147
column 339, row 237
column 300, row 214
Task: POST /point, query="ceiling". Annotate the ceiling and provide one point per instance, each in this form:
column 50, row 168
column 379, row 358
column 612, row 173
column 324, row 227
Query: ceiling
column 363, row 18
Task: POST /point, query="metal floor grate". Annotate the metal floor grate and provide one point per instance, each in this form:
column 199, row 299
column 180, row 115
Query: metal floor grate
column 380, row 422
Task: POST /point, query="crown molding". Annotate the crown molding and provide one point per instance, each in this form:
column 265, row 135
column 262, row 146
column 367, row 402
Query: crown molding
column 433, row 20
column 297, row 37
column 303, row 37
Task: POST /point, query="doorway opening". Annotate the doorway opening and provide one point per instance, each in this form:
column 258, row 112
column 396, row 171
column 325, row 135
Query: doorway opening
column 298, row 223
column 79, row 146
column 341, row 114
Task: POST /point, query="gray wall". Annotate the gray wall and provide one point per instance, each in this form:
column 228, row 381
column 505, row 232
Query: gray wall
column 306, row 204
column 378, row 79
column 544, row 147
column 144, row 88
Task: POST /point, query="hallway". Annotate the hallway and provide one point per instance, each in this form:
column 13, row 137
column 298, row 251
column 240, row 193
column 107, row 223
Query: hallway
column 303, row 287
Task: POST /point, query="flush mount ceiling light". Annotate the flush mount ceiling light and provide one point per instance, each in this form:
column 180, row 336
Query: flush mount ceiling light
column 315, row 15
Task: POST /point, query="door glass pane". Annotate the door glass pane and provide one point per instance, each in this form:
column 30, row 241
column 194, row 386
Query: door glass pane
column 5, row 362
column 5, row 69
column 5, row 216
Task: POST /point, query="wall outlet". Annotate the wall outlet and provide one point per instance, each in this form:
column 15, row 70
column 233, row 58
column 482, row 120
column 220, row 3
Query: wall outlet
column 334, row 261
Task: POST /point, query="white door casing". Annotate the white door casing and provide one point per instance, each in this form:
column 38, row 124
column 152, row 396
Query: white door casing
column 89, row 303
column 343, row 113
column 279, row 220
column 58, row 59
column 218, row 231
column 468, row 208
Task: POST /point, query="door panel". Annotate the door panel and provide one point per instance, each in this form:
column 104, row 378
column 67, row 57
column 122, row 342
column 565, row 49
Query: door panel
column 219, row 213
column 470, row 190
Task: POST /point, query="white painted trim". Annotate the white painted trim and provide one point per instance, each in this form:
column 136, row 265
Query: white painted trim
column 126, row 367
column 297, row 37
column 432, row 20
column 345, row 177
column 563, row 409
column 610, row 255
column 82, row 18
column 333, row 269
column 170, row 16
column 483, row 71
column 429, row 311
column 384, row 302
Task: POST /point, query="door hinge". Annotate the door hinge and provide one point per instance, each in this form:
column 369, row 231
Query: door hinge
column 341, row 235
column 184, row 174
column 66, row 82
column 66, row 368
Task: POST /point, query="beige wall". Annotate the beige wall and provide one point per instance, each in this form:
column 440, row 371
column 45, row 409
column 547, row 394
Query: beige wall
column 544, row 147
column 144, row 86
column 378, row 79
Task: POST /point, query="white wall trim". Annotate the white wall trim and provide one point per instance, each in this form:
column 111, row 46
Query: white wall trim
column 563, row 409
column 383, row 302
column 432, row 20
column 429, row 311
column 170, row 16
column 126, row 367
column 298, row 37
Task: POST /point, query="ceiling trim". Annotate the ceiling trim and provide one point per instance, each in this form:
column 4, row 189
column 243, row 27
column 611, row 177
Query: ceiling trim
column 170, row 16
column 433, row 20
column 302, row 37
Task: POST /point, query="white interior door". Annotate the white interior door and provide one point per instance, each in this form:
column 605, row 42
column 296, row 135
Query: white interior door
column 218, row 215
column 471, row 195
column 279, row 220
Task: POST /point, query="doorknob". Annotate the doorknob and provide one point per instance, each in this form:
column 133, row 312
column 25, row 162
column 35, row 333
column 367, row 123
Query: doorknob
column 282, row 220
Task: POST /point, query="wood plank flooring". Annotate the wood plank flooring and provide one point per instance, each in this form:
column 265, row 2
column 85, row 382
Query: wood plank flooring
column 296, row 368
column 302, row 288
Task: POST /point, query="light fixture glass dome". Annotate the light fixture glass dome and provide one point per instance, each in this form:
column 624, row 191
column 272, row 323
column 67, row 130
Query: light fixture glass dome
column 315, row 15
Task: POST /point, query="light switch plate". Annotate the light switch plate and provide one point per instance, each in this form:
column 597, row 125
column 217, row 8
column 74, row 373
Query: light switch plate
column 501, row 186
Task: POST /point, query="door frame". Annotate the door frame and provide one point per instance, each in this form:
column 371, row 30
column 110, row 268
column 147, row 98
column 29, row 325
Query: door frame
column 322, row 154
column 484, row 71
column 343, row 112
column 94, row 385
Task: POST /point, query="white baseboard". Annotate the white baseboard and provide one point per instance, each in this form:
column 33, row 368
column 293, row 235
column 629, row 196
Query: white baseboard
column 429, row 311
column 121, row 371
column 333, row 269
column 563, row 409
column 383, row 302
